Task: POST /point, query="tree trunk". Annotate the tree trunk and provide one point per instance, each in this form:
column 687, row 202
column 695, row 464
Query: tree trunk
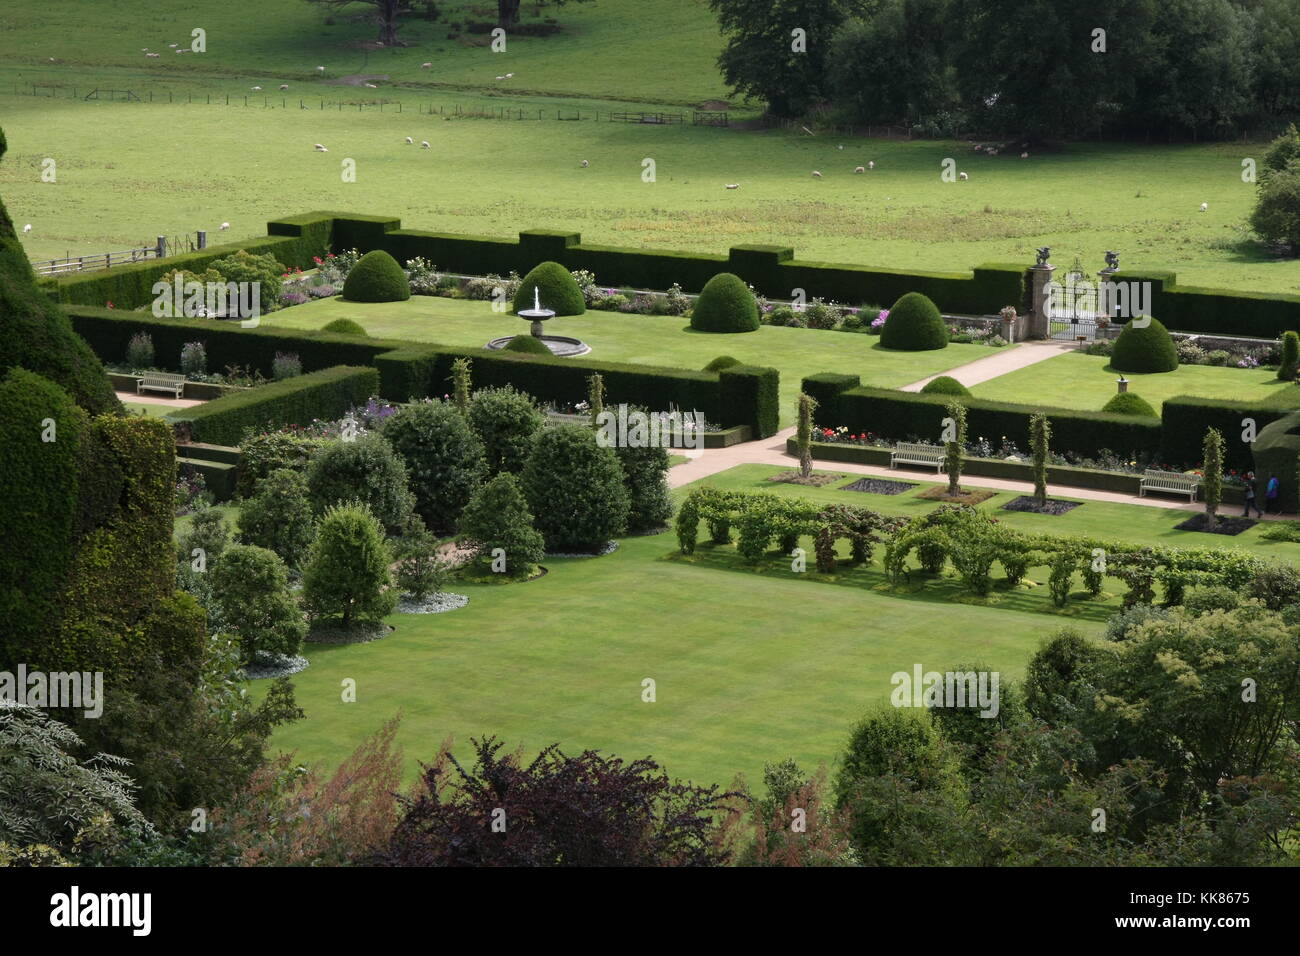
column 507, row 12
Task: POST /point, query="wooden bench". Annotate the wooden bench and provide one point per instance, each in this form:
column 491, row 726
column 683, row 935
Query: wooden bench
column 161, row 382
column 913, row 454
column 1174, row 482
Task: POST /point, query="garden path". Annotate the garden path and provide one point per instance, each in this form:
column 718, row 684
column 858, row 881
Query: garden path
column 1000, row 363
column 135, row 399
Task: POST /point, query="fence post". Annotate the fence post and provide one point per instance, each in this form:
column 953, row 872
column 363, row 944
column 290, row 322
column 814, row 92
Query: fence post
column 203, row 239
column 162, row 247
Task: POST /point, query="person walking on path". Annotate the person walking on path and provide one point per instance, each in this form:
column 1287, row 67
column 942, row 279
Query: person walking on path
column 1271, row 493
column 1251, row 500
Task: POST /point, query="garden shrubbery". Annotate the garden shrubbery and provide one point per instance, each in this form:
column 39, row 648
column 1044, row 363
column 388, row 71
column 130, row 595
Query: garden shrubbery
column 556, row 290
column 344, row 326
column 498, row 517
column 527, row 343
column 506, row 422
column 443, row 455
column 944, row 385
column 1147, row 348
column 575, row 490
column 914, row 324
column 365, row 469
column 725, row 304
column 1129, row 403
column 376, row 278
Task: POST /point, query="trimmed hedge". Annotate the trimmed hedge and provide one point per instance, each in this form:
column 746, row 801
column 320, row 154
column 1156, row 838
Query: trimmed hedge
column 914, row 324
column 899, row 415
column 750, row 396
column 1277, row 453
column 1147, row 348
column 826, row 388
column 325, row 395
column 1184, row 419
column 725, row 305
column 527, row 343
column 1129, row 403
column 556, row 289
column 721, row 362
column 376, row 277
column 944, row 385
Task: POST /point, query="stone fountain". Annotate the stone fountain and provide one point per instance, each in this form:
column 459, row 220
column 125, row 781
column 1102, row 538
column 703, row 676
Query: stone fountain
column 561, row 345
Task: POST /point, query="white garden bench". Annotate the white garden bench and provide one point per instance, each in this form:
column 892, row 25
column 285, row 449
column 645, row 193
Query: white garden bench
column 161, row 382
column 1174, row 482
column 915, row 454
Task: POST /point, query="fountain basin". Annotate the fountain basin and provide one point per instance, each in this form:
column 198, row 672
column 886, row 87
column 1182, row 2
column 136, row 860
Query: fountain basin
column 561, row 346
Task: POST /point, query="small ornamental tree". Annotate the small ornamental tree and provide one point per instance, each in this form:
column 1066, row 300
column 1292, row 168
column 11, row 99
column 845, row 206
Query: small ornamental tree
column 1290, row 356
column 251, row 585
column 645, row 476
column 575, row 490
column 498, row 517
column 596, row 396
column 807, row 405
column 420, row 571
column 279, row 517
column 365, row 469
column 1213, row 476
column 1040, row 433
column 506, row 422
column 956, row 435
column 443, row 455
column 460, row 381
column 347, row 568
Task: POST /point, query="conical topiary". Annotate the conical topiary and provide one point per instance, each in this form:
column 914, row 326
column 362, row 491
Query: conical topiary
column 1129, row 403
column 1144, row 346
column 944, row 385
column 725, row 305
column 556, row 287
column 376, row 278
column 914, row 325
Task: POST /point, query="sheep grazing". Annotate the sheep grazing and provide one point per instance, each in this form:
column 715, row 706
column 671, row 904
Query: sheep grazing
column 409, row 141
column 426, row 66
column 584, row 164
column 320, row 149
column 284, row 86
column 859, row 169
column 816, row 174
column 27, row 228
column 1024, row 155
column 963, row 177
column 871, row 165
column 153, row 54
column 500, row 77
column 225, row 226
column 510, row 76
column 840, row 146
column 320, row 69
column 173, row 45
column 733, row 185
column 1205, row 207
column 371, row 86
column 257, row 89
column 424, row 144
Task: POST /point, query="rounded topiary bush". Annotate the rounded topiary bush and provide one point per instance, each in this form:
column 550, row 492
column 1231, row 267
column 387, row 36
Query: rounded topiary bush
column 725, row 305
column 556, row 289
column 914, row 325
column 575, row 490
column 346, row 327
column 1129, row 403
column 721, row 362
column 1147, row 348
column 527, row 343
column 376, row 278
column 944, row 385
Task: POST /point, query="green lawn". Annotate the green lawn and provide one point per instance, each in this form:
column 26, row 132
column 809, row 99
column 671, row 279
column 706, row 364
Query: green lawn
column 149, row 409
column 1075, row 380
column 644, row 339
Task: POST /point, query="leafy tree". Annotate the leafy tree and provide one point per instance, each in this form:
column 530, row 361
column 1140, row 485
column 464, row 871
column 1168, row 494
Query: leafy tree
column 1276, row 216
column 596, row 396
column 498, row 517
column 1040, row 433
column 557, row 810
column 1290, row 356
column 506, row 422
column 1281, row 153
column 953, row 449
column 823, row 838
column 387, row 14
column 347, row 568
column 645, row 476
column 251, row 585
column 1213, row 475
column 279, row 517
column 364, row 469
column 420, row 569
column 807, row 405
column 460, row 383
column 444, row 456
column 574, row 488
column 1057, row 678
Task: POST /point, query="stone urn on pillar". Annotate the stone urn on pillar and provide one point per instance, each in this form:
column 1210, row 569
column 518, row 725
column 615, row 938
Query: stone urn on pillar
column 1040, row 295
column 1010, row 321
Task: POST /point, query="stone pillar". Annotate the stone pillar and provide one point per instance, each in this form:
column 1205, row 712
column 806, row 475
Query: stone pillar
column 1105, row 307
column 203, row 239
column 1011, row 327
column 1039, row 296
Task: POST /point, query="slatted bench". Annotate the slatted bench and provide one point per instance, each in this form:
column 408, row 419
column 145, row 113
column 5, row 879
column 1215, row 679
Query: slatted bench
column 914, row 454
column 1173, row 482
column 161, row 382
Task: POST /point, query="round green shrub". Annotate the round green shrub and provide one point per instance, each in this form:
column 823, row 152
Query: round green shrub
column 1290, row 356
column 498, row 517
column 914, row 325
column 251, row 586
column 444, row 456
column 944, row 385
column 346, row 327
column 376, row 278
column 721, row 362
column 506, row 422
column 1149, row 348
column 347, row 573
column 366, row 470
column 556, row 289
column 527, row 342
column 1129, row 403
column 279, row 517
column 725, row 305
column 575, row 490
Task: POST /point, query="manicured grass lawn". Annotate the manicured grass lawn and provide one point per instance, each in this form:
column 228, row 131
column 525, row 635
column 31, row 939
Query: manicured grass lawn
column 1075, row 380
column 650, row 340
column 147, row 408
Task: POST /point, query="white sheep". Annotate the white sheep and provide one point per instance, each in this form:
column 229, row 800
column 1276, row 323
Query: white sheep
column 153, row 54
column 225, row 226
column 963, row 177
column 1205, row 207
column 173, row 45
column 371, row 86
column 424, row 144
column 320, row 69
column 284, row 86
column 510, row 76
column 500, row 77
column 584, row 164
column 409, row 141
column 859, row 169
column 27, row 228
column 257, row 89
column 320, row 149
column 871, row 164
column 816, row 174
column 1024, row 155
column 425, row 66
column 733, row 185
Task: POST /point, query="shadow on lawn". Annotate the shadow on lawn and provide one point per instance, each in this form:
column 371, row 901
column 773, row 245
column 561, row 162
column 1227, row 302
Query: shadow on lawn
column 1033, row 598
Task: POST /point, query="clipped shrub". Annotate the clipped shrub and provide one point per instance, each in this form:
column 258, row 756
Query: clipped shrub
column 945, row 385
column 279, row 517
column 914, row 325
column 1129, row 403
column 526, row 342
column 285, row 365
column 645, row 476
column 365, row 469
column 575, row 490
column 1276, row 586
column 265, row 269
column 347, row 573
column 1148, row 348
column 420, row 570
column 1290, row 356
column 345, row 326
column 251, row 587
column 721, row 362
column 376, row 278
column 498, row 517
column 139, row 351
column 725, row 305
column 506, row 422
column 443, row 456
column 1215, row 597
column 1123, row 624
column 556, row 289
